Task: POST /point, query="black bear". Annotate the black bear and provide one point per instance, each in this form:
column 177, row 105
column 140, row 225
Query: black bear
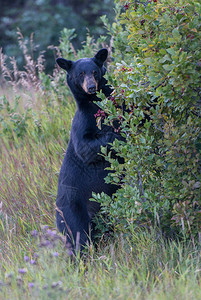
column 83, row 169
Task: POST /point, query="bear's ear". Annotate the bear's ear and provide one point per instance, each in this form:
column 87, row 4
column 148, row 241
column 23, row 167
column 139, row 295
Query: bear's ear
column 64, row 64
column 101, row 57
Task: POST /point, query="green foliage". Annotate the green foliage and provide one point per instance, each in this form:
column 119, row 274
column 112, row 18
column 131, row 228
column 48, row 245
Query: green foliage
column 36, row 114
column 159, row 81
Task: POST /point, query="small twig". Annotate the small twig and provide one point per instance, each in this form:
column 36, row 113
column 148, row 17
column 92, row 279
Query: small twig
column 68, row 228
column 159, row 129
column 77, row 241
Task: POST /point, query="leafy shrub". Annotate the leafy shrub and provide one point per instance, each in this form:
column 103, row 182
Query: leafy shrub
column 156, row 73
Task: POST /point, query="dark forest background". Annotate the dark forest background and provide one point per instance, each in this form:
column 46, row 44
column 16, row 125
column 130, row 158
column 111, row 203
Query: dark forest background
column 46, row 19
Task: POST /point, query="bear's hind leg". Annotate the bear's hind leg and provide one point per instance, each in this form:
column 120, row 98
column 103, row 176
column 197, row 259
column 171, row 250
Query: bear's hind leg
column 72, row 215
column 74, row 225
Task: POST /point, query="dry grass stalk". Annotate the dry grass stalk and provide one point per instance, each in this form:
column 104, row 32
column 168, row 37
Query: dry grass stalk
column 29, row 78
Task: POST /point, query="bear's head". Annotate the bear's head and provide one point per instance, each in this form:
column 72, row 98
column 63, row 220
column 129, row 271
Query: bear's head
column 85, row 76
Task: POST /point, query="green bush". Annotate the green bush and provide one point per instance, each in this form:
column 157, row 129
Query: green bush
column 156, row 73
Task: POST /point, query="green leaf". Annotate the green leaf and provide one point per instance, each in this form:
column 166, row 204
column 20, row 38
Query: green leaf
column 176, row 34
column 171, row 51
column 168, row 67
column 164, row 59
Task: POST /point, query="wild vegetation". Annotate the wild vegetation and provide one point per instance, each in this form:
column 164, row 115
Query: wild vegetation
column 158, row 78
column 151, row 246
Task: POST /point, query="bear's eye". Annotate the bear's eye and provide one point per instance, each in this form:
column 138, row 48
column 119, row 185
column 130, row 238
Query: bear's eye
column 82, row 74
column 94, row 73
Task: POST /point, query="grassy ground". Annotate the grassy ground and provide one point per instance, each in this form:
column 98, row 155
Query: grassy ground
column 34, row 263
column 143, row 266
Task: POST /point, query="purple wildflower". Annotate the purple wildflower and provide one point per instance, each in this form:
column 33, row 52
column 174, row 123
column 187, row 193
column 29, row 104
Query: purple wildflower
column 55, row 254
column 30, row 284
column 26, row 258
column 22, row 271
column 45, row 286
column 70, row 252
column 49, row 232
column 54, row 284
column 34, row 232
column 57, row 284
column 32, row 262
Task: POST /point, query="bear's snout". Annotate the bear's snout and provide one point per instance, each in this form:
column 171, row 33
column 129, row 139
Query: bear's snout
column 90, row 85
column 92, row 89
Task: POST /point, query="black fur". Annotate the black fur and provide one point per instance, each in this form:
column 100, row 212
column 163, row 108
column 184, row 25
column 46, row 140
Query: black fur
column 83, row 169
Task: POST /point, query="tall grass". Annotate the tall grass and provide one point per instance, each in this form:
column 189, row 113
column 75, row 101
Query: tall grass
column 142, row 266
column 35, row 125
column 34, row 263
